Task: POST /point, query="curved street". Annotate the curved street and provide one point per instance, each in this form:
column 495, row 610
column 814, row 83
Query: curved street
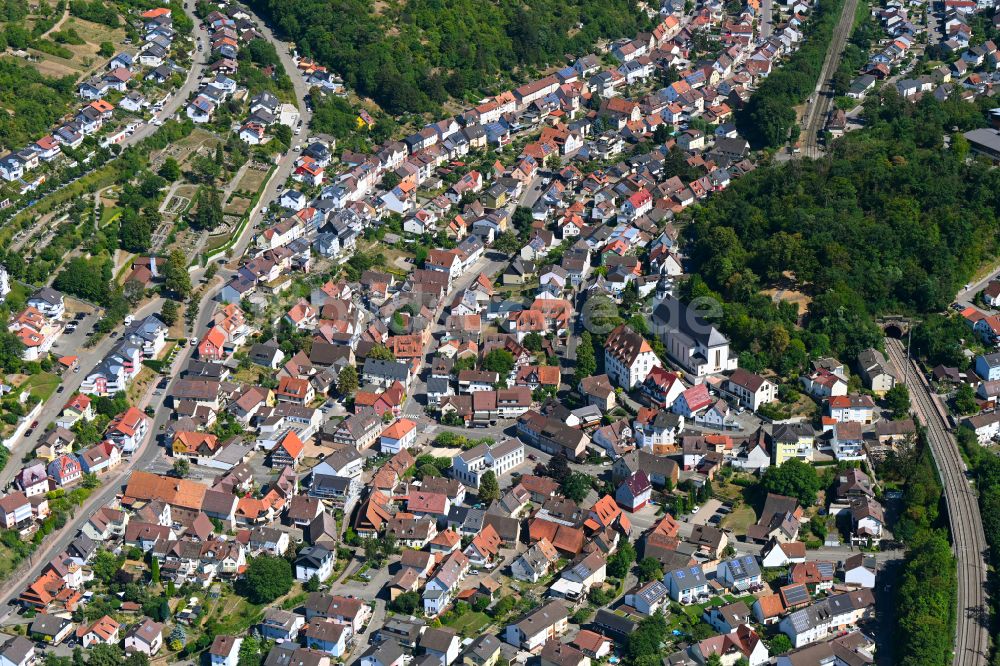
column 149, row 450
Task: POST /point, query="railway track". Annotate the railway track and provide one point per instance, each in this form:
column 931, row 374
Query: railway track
column 968, row 538
column 823, row 96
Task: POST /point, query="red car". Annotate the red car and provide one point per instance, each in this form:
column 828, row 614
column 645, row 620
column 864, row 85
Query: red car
column 35, row 424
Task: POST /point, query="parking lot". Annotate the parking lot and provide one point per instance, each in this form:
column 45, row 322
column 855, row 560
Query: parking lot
column 705, row 513
column 74, row 334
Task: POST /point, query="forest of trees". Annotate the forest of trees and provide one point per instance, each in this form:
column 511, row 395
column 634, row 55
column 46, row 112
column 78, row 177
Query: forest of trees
column 413, row 56
column 891, row 222
column 34, row 102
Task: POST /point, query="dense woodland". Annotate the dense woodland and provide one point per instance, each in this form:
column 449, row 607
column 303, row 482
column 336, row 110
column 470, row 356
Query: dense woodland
column 893, row 221
column 33, row 102
column 413, row 56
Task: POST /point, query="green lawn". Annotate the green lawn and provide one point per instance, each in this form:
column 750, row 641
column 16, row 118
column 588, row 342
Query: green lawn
column 109, row 215
column 470, row 624
column 41, row 385
column 740, row 519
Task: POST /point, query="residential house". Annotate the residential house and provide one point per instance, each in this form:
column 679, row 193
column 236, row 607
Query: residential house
column 538, row 627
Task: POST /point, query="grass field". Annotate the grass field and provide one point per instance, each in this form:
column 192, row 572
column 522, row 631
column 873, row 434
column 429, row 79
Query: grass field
column 252, row 181
column 85, row 56
column 139, row 385
column 237, row 206
column 41, row 385
column 740, row 519
column 109, row 215
column 470, row 624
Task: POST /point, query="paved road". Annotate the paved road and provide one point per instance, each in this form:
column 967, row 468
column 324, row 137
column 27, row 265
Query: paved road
column 143, row 458
column 111, row 485
column 286, row 163
column 177, row 99
column 149, row 451
column 816, row 113
column 88, row 358
column 968, row 538
column 488, row 264
column 766, row 19
column 966, row 295
column 192, row 82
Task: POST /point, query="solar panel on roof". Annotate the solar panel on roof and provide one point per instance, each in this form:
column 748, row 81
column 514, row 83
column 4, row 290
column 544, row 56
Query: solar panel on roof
column 800, row 620
column 825, row 569
column 679, row 574
column 795, row 594
column 695, row 571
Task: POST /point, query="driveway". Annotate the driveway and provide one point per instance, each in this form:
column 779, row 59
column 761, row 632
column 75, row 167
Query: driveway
column 707, row 510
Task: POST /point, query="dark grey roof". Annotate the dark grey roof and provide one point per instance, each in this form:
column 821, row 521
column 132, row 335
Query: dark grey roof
column 388, row 369
column 17, row 649
column 672, row 314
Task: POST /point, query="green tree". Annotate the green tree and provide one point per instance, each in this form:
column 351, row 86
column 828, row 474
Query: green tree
column 176, row 277
column 136, row 658
column 650, row 569
column 499, row 361
column 282, row 133
column 134, row 232
column 103, row 654
column 106, row 49
column 250, row 651
column 621, row 560
column 428, row 471
column 644, row 645
column 170, row 170
column 169, row 312
column 558, row 467
column 489, row 488
column 11, row 349
column 793, row 478
column 576, row 486
column 779, row 644
column 208, row 215
column 586, row 364
column 507, row 243
column 181, row 468
column 311, row 585
column 965, row 399
column 532, row 342
column 106, row 565
column 266, row 579
column 381, row 352
column 390, row 180
column 347, row 381
column 407, row 603
column 897, row 399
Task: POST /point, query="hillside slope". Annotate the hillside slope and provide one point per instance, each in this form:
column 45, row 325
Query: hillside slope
column 413, row 56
